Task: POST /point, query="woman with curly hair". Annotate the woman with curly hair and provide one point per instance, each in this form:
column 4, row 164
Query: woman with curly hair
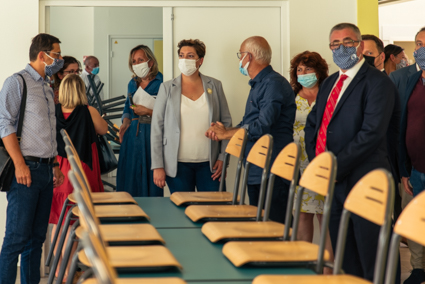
column 308, row 71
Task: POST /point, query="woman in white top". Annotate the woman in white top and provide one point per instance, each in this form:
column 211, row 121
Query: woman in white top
column 184, row 109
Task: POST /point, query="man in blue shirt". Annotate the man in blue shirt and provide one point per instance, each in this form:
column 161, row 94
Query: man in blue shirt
column 36, row 170
column 270, row 109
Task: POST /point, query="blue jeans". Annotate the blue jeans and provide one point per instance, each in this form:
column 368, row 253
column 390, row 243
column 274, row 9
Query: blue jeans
column 417, row 179
column 190, row 175
column 27, row 218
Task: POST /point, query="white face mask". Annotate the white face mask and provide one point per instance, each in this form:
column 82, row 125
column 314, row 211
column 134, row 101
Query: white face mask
column 187, row 66
column 142, row 69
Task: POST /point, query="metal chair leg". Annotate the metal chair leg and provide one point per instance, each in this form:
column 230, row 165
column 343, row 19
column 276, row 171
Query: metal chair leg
column 55, row 238
column 59, row 249
column 74, row 266
column 72, row 238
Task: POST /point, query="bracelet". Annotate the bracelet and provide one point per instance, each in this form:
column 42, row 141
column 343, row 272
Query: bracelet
column 55, row 164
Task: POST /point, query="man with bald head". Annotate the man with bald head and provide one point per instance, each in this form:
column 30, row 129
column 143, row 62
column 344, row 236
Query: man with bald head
column 270, row 109
column 91, row 69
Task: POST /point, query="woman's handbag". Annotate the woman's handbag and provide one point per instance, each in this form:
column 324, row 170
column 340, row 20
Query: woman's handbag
column 7, row 168
column 107, row 160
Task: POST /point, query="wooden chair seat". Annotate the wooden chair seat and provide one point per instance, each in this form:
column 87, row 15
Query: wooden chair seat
column 221, row 212
column 308, row 279
column 137, row 258
column 271, row 253
column 169, row 280
column 182, row 198
column 117, row 212
column 108, row 198
column 225, row 231
column 131, row 234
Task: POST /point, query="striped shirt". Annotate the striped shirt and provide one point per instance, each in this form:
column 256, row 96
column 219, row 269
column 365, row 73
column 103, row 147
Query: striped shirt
column 39, row 126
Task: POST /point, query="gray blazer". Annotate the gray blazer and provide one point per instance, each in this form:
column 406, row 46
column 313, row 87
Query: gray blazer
column 165, row 127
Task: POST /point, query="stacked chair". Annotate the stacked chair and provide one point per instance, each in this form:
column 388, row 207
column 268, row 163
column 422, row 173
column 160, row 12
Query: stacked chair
column 286, row 166
column 260, row 156
column 113, row 234
column 372, row 198
column 103, row 271
column 235, row 147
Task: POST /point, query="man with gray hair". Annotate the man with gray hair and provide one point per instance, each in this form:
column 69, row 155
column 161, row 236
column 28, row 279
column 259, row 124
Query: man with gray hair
column 270, row 109
column 91, row 69
column 351, row 116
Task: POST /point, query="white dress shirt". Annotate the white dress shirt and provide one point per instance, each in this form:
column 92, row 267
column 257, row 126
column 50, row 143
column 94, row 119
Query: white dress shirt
column 351, row 73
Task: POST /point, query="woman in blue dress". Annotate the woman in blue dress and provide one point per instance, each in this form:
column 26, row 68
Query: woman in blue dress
column 134, row 173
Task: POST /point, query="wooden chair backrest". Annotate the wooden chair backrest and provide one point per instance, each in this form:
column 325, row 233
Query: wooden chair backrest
column 88, row 218
column 77, row 166
column 317, row 175
column 258, row 153
column 411, row 222
column 234, row 147
column 66, row 138
column 285, row 163
column 369, row 198
column 98, row 257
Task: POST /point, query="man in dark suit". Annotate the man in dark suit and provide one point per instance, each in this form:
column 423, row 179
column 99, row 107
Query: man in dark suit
column 351, row 117
column 412, row 158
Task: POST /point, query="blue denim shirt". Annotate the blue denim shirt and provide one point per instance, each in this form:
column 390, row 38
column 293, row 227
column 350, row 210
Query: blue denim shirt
column 152, row 88
column 39, row 126
column 270, row 109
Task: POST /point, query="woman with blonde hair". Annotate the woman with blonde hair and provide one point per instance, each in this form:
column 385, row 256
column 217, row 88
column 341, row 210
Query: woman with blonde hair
column 134, row 173
column 83, row 123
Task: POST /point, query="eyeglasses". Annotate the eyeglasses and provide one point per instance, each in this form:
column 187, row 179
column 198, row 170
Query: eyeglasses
column 346, row 43
column 239, row 54
column 57, row 53
column 78, row 71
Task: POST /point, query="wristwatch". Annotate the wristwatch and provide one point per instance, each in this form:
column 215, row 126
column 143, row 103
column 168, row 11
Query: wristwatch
column 55, row 164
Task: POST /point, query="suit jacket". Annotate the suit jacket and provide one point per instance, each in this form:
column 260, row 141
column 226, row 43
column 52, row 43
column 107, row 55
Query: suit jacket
column 357, row 131
column 405, row 164
column 400, row 76
column 165, row 127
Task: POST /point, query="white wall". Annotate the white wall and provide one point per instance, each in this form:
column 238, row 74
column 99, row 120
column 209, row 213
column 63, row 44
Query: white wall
column 16, row 36
column 74, row 27
column 401, row 21
column 142, row 21
column 311, row 21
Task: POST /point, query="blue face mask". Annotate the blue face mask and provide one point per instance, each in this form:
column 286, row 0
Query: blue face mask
column 243, row 70
column 53, row 68
column 419, row 56
column 307, row 80
column 95, row 71
column 345, row 57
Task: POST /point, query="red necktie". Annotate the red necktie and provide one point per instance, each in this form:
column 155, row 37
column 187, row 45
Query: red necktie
column 330, row 107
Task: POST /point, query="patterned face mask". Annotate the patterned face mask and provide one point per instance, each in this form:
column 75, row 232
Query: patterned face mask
column 54, row 67
column 419, row 56
column 345, row 57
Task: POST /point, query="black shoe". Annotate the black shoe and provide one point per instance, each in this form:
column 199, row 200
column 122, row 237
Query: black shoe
column 417, row 277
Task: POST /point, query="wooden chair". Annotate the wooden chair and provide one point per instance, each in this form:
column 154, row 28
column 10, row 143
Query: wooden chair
column 98, row 198
column 372, row 198
column 286, row 166
column 118, row 212
column 236, row 147
column 411, row 225
column 260, row 156
column 319, row 177
column 103, row 271
column 123, row 258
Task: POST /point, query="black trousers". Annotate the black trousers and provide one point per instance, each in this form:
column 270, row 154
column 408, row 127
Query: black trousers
column 279, row 199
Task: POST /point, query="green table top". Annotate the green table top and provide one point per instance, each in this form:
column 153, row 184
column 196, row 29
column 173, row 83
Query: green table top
column 204, row 261
column 165, row 214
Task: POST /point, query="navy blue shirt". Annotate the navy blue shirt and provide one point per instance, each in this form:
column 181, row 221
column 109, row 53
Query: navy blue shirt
column 270, row 109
